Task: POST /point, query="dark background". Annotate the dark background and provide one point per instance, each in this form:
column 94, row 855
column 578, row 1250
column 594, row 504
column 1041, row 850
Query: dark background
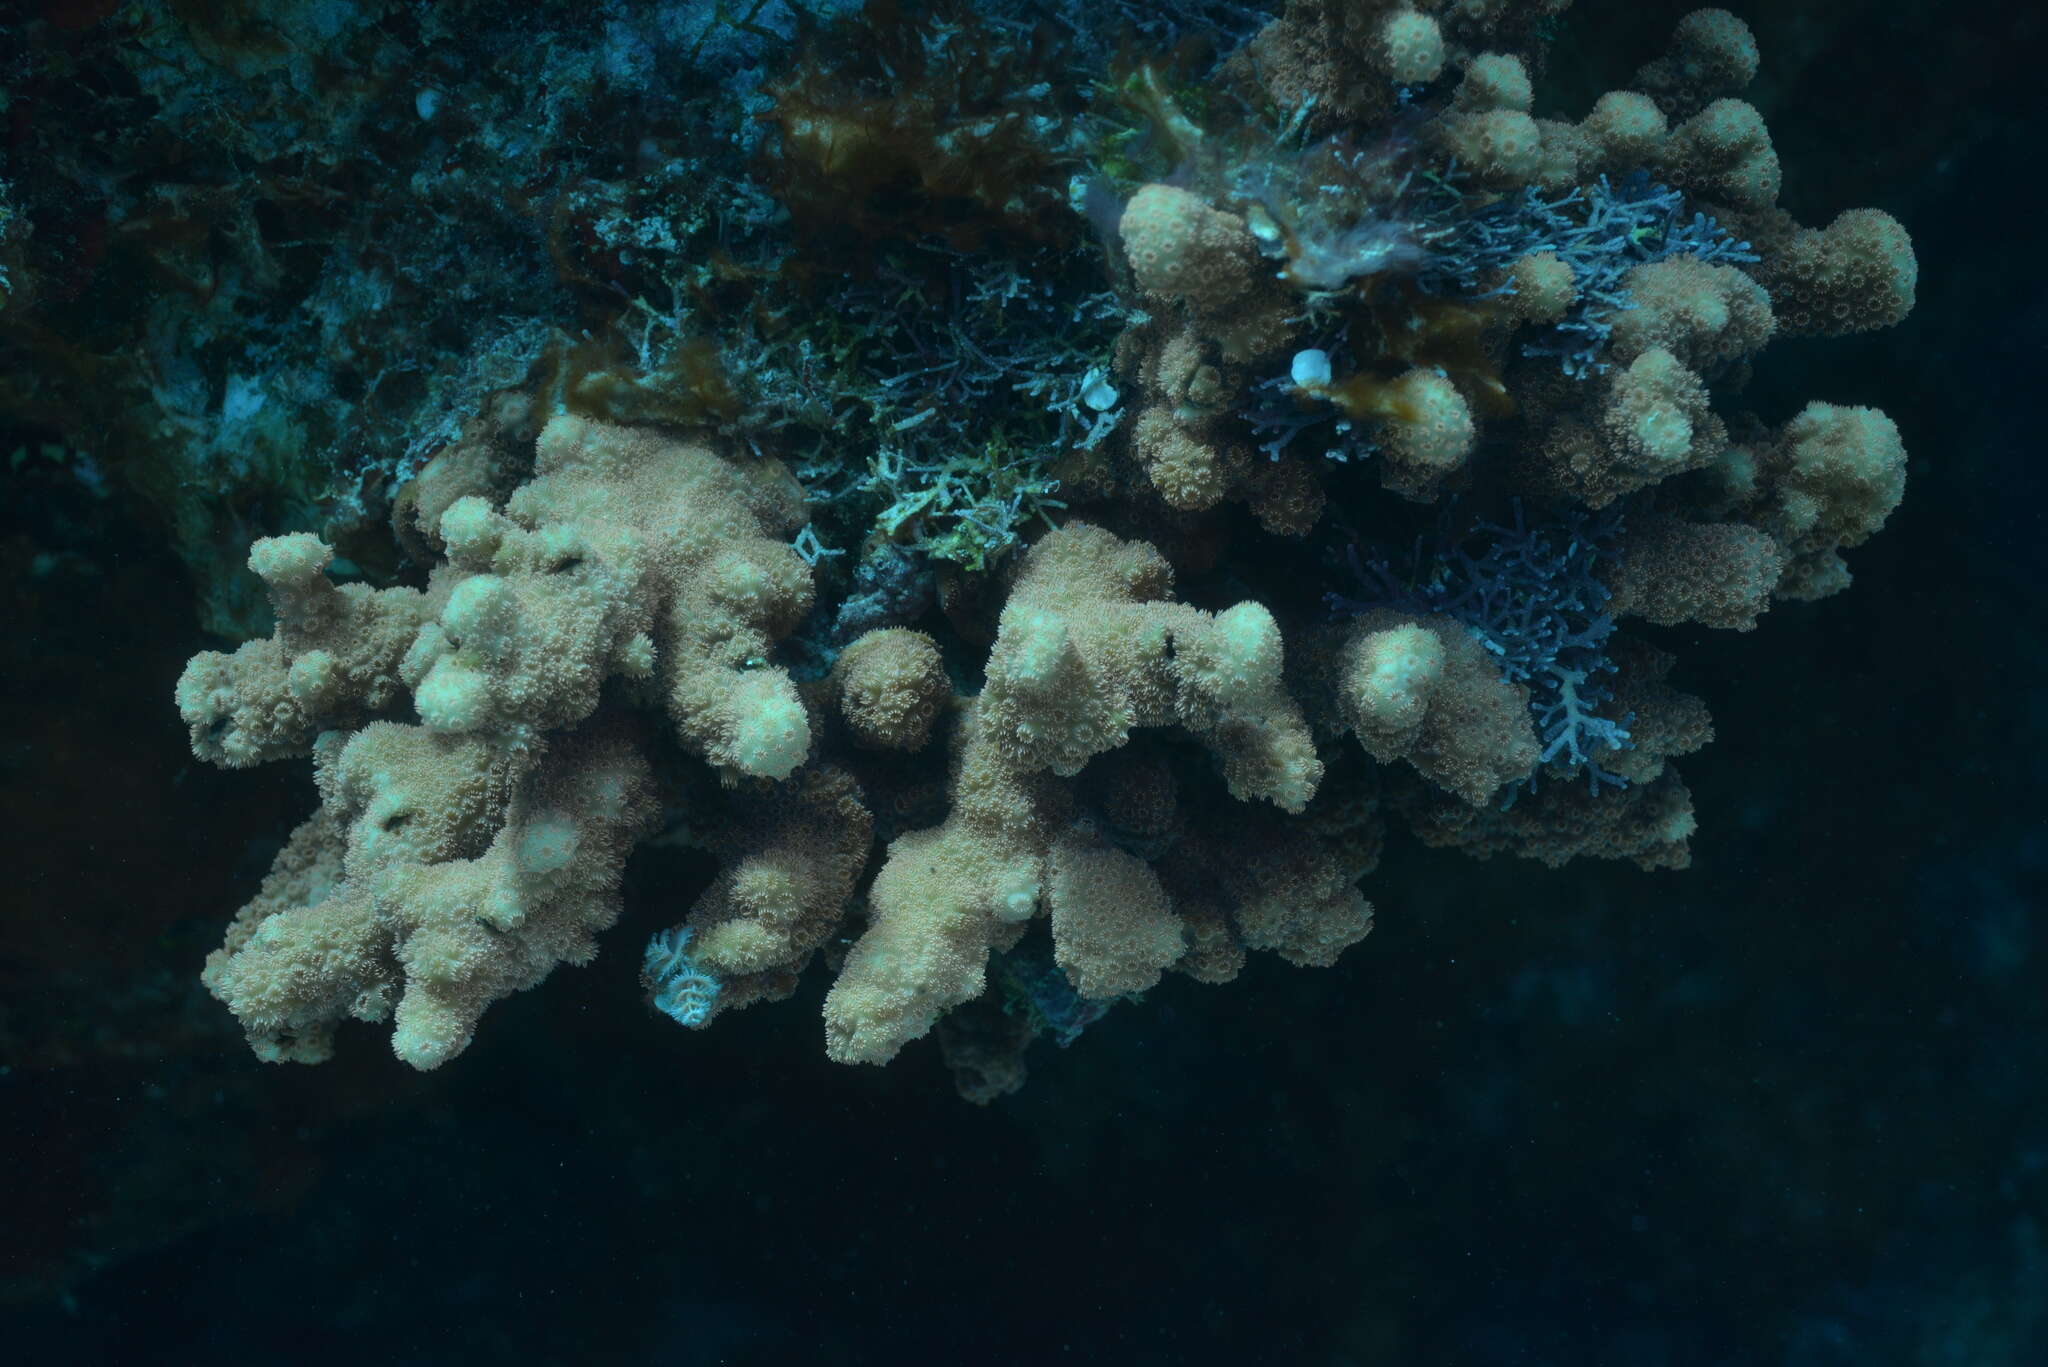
column 1785, row 1107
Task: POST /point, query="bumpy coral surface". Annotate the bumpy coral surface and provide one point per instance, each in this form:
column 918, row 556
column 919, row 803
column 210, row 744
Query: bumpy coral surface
column 1029, row 595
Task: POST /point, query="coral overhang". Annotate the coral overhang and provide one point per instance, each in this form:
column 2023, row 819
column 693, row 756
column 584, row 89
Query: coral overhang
column 946, row 608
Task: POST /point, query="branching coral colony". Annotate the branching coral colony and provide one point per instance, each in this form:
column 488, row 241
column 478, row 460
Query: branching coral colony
column 1182, row 468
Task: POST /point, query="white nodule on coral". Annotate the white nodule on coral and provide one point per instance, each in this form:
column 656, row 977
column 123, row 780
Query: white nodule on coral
column 313, row 677
column 470, row 529
column 547, row 843
column 453, row 697
column 1038, row 644
column 1402, row 665
column 477, row 615
column 771, row 735
column 1247, row 654
column 289, row 559
column 1663, row 433
column 1311, row 369
column 1017, row 897
column 1097, row 392
column 636, row 657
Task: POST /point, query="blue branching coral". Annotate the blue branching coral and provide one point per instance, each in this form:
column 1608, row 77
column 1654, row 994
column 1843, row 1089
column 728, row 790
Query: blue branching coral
column 1599, row 231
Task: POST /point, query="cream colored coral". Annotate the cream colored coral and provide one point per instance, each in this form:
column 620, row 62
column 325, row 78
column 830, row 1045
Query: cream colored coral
column 1187, row 472
column 438, row 876
column 1829, row 479
column 627, row 550
column 1192, row 461
column 1856, row 274
column 1704, row 314
column 891, row 686
column 1717, row 574
column 1624, row 129
column 1543, row 288
column 458, row 860
column 1390, row 677
column 943, row 898
column 1179, row 247
column 333, row 660
column 1252, row 880
column 1089, row 648
column 791, row 857
column 1411, row 46
column 1657, row 419
column 1501, row 147
column 1711, row 53
column 1423, row 690
column 1114, row 930
column 1724, row 154
column 1494, row 80
column 1427, row 432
